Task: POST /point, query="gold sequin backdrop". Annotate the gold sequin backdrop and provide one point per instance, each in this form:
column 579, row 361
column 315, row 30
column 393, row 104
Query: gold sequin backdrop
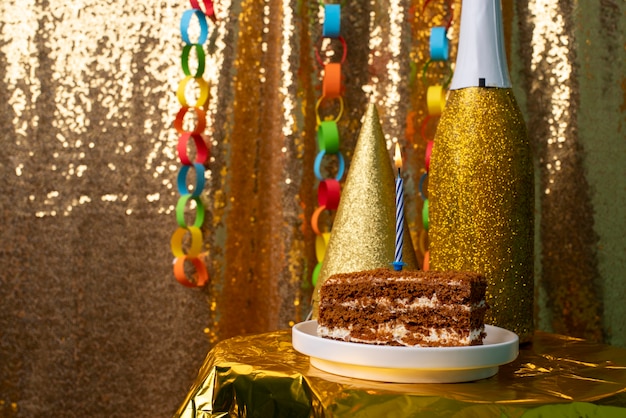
column 92, row 321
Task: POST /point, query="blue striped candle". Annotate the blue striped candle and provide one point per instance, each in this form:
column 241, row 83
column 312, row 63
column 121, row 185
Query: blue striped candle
column 397, row 262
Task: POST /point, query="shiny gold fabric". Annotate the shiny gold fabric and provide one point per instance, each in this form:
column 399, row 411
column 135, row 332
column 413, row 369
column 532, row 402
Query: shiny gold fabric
column 263, row 375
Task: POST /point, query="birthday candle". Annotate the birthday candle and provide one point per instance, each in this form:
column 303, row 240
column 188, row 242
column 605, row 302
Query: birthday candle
column 397, row 262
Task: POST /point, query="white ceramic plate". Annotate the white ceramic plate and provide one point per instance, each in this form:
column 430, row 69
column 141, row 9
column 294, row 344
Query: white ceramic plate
column 407, row 364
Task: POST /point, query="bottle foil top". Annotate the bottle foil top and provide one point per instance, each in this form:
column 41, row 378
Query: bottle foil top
column 481, row 57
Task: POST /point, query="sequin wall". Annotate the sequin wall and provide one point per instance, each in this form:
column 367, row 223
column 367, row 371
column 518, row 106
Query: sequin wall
column 93, row 322
column 572, row 77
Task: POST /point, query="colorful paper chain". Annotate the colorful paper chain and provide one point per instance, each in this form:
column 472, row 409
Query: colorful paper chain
column 192, row 252
column 435, row 102
column 329, row 189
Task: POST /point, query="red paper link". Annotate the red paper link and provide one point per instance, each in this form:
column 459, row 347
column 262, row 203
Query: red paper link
column 209, row 8
column 343, row 55
column 428, row 153
column 202, row 149
column 328, row 194
column 424, row 124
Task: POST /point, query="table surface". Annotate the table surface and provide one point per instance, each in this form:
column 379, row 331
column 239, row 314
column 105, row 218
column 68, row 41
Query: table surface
column 263, row 376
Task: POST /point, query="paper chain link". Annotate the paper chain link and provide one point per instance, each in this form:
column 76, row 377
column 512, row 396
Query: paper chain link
column 329, row 189
column 435, row 101
column 192, row 128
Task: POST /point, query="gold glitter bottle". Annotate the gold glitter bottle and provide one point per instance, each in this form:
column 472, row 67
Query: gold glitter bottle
column 481, row 175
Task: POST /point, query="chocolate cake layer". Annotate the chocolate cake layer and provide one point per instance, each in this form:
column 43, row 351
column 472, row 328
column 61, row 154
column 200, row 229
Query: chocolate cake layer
column 404, row 308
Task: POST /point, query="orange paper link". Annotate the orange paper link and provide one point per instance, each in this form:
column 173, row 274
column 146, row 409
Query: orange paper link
column 315, row 219
column 201, row 276
column 410, row 126
column 180, row 118
column 331, row 85
column 426, row 264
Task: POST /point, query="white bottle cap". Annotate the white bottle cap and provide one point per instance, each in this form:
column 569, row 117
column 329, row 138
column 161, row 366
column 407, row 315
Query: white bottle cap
column 481, row 58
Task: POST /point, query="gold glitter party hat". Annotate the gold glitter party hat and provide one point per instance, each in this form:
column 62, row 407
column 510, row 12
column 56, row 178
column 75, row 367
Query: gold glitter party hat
column 363, row 234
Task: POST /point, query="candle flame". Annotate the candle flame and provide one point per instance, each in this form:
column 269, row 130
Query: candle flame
column 398, row 157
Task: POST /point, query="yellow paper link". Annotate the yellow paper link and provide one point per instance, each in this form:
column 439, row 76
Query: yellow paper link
column 178, row 236
column 423, row 241
column 435, row 99
column 321, row 241
column 317, row 107
column 202, row 97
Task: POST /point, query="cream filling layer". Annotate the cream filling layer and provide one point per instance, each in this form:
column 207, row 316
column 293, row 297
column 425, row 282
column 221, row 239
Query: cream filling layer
column 418, row 303
column 450, row 283
column 399, row 332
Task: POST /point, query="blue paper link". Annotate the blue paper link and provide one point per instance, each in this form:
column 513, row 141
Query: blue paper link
column 421, row 185
column 184, row 26
column 318, row 163
column 332, row 21
column 438, row 44
column 182, row 180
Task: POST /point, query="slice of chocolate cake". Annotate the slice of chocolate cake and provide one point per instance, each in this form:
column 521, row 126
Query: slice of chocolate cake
column 410, row 308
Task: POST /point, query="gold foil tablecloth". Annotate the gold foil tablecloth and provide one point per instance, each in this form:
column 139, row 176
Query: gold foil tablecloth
column 263, row 376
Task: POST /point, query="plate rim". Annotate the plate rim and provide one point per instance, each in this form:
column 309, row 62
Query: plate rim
column 445, row 358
